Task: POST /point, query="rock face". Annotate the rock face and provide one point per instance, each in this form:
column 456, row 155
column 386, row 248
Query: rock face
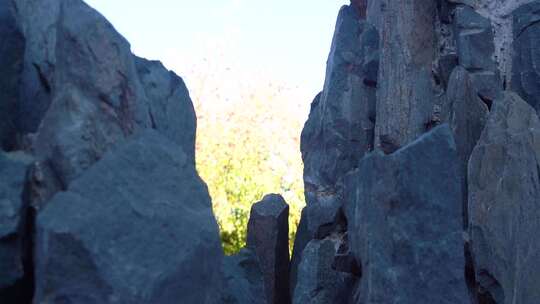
column 13, row 220
column 268, row 237
column 409, row 224
column 129, row 230
column 244, row 279
column 340, row 127
column 405, row 96
column 317, row 282
column 11, row 64
column 525, row 73
column 87, row 92
column 476, row 48
column 467, row 117
column 504, row 198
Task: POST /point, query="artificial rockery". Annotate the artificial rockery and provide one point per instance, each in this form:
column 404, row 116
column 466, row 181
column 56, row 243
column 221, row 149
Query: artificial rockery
column 421, row 154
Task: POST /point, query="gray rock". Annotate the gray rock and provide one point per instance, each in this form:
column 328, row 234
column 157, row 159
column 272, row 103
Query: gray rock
column 244, row 279
column 476, row 50
column 11, row 65
column 87, row 92
column 467, row 117
column 341, row 123
column 408, row 226
column 37, row 20
column 13, row 221
column 170, row 107
column 136, row 227
column 526, row 59
column 504, row 198
column 318, row 283
column 268, row 237
column 405, row 94
column 340, row 127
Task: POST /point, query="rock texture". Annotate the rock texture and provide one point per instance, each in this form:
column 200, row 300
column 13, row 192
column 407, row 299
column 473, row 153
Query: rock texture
column 11, row 65
column 467, row 117
column 525, row 71
column 476, row 51
column 405, row 96
column 243, row 276
column 13, row 227
column 268, row 237
column 504, row 197
column 317, row 282
column 409, row 224
column 129, row 230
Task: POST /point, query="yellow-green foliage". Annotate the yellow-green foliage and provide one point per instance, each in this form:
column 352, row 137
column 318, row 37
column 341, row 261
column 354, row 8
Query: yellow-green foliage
column 245, row 149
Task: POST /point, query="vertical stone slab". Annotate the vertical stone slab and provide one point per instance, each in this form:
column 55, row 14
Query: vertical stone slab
column 405, row 95
column 526, row 59
column 408, row 224
column 504, row 204
column 268, row 236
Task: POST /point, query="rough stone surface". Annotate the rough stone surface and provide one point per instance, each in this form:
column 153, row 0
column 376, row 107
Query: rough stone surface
column 129, row 230
column 504, row 202
column 244, row 282
column 318, row 283
column 526, row 59
column 467, row 117
column 12, row 225
column 405, row 96
column 170, row 108
column 340, row 127
column 38, row 22
column 86, row 92
column 11, row 64
column 476, row 50
column 408, row 229
column 268, row 237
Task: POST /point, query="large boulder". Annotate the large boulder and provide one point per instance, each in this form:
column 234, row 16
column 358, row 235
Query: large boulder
column 526, row 59
column 136, row 227
column 243, row 276
column 317, row 282
column 13, row 228
column 11, row 64
column 408, row 224
column 504, row 204
column 268, row 237
column 84, row 91
column 405, row 95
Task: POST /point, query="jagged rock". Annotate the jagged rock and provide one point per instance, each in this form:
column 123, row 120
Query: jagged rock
column 344, row 260
column 408, row 224
column 526, row 45
column 317, row 281
column 405, row 96
column 467, row 117
column 37, row 19
column 340, row 127
column 504, row 204
column 244, row 279
column 170, row 108
column 11, row 64
column 268, row 237
column 476, row 48
column 87, row 92
column 13, row 220
column 129, row 230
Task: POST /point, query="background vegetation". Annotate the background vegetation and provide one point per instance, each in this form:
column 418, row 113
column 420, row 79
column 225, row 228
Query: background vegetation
column 248, row 147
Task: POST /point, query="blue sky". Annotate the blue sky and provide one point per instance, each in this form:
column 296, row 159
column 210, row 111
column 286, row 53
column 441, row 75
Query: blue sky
column 232, row 44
